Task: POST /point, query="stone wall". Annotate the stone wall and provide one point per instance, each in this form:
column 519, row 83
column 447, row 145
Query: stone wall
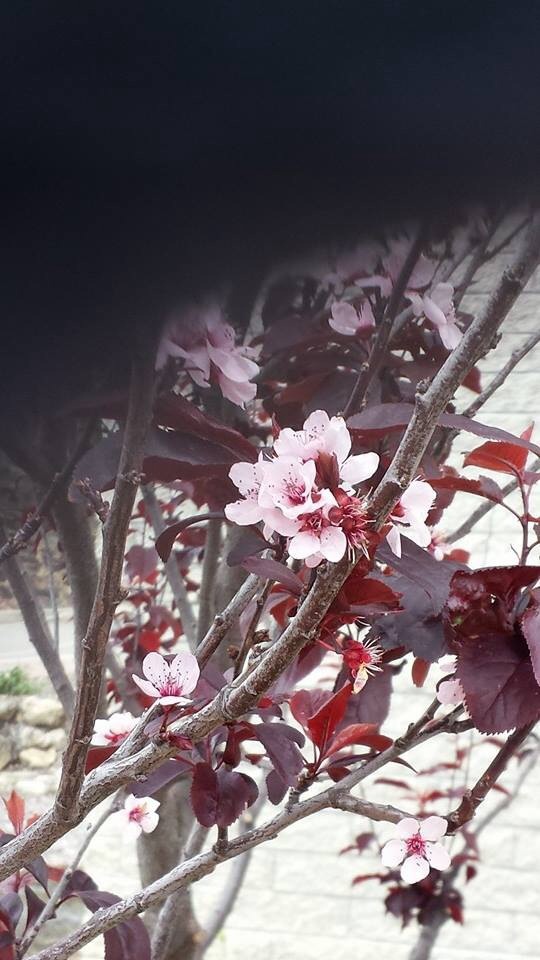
column 32, row 732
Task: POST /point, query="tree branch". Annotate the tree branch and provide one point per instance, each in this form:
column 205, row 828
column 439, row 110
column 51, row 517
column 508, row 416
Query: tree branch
column 108, row 591
column 473, row 798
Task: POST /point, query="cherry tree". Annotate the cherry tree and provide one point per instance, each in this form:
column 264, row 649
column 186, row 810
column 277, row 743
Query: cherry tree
column 268, row 495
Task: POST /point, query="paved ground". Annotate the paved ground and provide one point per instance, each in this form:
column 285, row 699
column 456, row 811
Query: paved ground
column 298, row 901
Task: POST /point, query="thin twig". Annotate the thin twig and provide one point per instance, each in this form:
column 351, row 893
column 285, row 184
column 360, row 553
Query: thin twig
column 501, row 376
column 224, row 620
column 174, row 577
column 247, row 642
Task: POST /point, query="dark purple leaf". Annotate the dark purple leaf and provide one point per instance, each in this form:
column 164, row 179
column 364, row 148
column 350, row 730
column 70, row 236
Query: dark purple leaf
column 34, row 905
column 530, row 625
column 165, row 541
column 237, row 791
column 168, row 456
column 281, row 744
column 177, row 412
column 382, row 418
column 482, row 601
column 372, row 704
column 308, row 660
column 495, row 671
column 277, row 788
column 38, row 869
column 272, row 570
column 167, row 772
column 205, row 794
column 305, row 703
column 416, row 628
column 11, row 908
column 420, row 567
column 250, row 542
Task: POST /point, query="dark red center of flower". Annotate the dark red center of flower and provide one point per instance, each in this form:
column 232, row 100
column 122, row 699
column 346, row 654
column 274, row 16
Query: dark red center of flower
column 416, row 846
column 350, row 515
column 357, row 656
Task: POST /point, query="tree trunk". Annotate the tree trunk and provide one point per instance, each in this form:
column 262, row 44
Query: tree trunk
column 428, row 936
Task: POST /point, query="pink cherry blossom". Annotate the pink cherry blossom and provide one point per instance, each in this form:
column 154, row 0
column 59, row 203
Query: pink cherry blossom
column 289, row 485
column 449, row 691
column 322, row 434
column 114, row 729
column 317, row 539
column 206, row 343
column 169, row 682
column 417, row 848
column 409, row 516
column 348, row 320
column 137, row 816
column 438, row 307
column 248, row 478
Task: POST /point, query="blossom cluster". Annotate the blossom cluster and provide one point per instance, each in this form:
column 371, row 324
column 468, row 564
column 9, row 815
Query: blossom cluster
column 200, row 336
column 304, row 490
column 429, row 300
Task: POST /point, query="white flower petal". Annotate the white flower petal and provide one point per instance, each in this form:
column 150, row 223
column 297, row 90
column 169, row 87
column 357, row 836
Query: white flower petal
column 437, row 856
column 433, row 828
column 303, row 544
column 156, row 669
column 185, row 670
column 414, row 869
column 393, row 853
column 333, row 544
column 148, row 688
column 359, row 468
column 407, row 827
column 393, row 538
